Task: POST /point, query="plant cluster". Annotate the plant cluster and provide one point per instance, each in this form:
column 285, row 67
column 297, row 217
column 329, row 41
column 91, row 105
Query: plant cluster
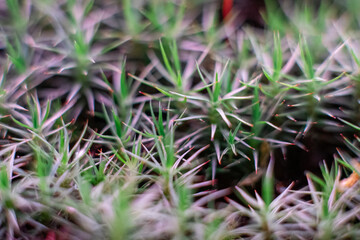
column 161, row 120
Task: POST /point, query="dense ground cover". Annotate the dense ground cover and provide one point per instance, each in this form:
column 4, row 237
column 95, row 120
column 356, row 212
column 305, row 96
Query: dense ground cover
column 179, row 119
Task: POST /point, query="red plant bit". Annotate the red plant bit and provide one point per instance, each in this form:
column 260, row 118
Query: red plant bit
column 145, row 94
column 91, row 113
column 50, row 235
column 350, row 181
column 292, row 119
column 226, row 8
column 342, row 136
column 99, row 152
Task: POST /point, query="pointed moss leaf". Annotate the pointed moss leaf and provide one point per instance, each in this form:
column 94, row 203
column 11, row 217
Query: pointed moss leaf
column 268, row 185
column 216, row 89
column 277, row 56
column 166, row 61
column 123, row 83
column 22, row 124
column 118, row 124
column 4, row 179
column 88, row 7
column 307, row 59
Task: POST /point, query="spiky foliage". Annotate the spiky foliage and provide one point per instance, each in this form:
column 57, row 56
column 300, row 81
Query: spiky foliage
column 158, row 119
